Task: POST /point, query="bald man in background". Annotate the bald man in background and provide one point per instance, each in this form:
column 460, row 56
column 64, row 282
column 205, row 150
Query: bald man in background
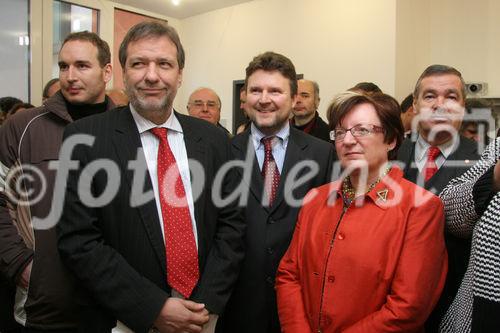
column 305, row 111
column 204, row 103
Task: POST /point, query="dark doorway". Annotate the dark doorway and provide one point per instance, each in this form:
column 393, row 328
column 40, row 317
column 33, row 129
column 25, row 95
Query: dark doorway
column 238, row 114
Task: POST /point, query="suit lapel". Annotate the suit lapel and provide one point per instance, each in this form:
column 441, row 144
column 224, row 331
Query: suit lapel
column 459, row 153
column 442, row 176
column 407, row 156
column 411, row 171
column 127, row 140
column 293, row 154
column 241, row 146
column 447, row 172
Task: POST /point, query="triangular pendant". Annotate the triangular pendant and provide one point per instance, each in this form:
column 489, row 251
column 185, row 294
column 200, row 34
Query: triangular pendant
column 382, row 195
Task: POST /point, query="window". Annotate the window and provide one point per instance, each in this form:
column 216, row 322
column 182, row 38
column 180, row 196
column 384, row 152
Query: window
column 68, row 18
column 15, row 50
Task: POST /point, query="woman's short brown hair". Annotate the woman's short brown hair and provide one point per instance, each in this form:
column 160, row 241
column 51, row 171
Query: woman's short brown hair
column 387, row 108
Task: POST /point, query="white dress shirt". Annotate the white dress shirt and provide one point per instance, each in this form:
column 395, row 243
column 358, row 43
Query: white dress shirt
column 150, row 144
column 422, row 146
column 279, row 148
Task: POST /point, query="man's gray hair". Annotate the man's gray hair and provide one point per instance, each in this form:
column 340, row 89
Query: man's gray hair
column 148, row 29
column 435, row 70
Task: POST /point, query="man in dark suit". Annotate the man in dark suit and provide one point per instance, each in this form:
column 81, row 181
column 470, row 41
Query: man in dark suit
column 156, row 253
column 438, row 155
column 277, row 154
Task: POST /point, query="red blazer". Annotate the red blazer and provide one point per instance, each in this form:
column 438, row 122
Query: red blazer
column 378, row 267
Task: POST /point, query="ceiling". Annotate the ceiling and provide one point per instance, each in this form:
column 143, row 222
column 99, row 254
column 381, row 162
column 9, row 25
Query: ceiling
column 186, row 8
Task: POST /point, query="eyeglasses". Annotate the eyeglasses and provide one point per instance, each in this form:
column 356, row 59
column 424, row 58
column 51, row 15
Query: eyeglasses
column 357, row 131
column 200, row 104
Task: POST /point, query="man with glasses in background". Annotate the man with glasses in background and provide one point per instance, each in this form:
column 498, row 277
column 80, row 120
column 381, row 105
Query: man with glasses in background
column 205, row 104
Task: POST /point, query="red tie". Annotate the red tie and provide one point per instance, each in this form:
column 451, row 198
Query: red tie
column 181, row 253
column 270, row 170
column 431, row 167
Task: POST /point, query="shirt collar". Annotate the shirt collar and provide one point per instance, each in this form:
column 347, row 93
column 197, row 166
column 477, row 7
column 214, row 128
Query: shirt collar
column 144, row 125
column 282, row 134
column 446, row 148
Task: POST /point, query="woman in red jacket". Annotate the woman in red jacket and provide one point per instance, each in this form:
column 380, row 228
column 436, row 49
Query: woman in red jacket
column 368, row 251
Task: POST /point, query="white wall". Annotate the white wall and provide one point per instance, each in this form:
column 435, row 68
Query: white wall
column 337, row 43
column 460, row 33
column 413, row 32
column 389, row 42
column 466, row 34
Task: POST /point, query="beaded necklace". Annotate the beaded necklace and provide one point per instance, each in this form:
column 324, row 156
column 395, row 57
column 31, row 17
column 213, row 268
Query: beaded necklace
column 348, row 190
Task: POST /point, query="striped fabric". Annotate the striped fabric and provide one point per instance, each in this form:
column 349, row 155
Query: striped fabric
column 4, row 171
column 21, row 218
column 482, row 278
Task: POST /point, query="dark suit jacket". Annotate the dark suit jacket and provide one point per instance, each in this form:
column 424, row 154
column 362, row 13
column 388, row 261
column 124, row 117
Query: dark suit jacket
column 7, row 296
column 117, row 250
column 458, row 248
column 252, row 306
column 319, row 129
column 466, row 151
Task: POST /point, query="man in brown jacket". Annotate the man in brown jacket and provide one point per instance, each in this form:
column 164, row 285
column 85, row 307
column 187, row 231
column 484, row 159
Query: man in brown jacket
column 29, row 148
